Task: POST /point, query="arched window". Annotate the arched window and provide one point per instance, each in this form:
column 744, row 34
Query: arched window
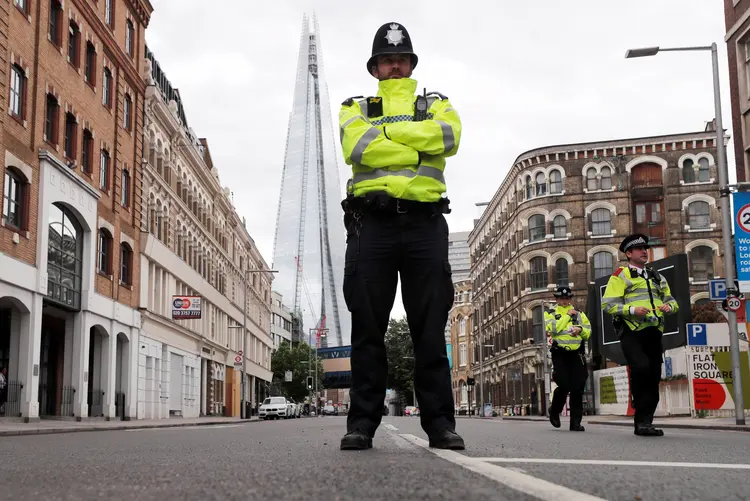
column 702, row 263
column 699, row 215
column 688, row 172
column 560, row 227
column 541, row 184
column 64, row 257
column 606, row 182
column 555, row 182
column 537, row 228
column 591, row 181
column 561, row 272
column 538, row 273
column 601, row 222
column 537, row 324
column 104, row 258
column 126, row 264
column 703, row 171
column 603, row 264
column 529, row 188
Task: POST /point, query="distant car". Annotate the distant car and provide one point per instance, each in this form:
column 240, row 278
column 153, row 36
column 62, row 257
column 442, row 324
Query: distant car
column 274, row 408
column 329, row 410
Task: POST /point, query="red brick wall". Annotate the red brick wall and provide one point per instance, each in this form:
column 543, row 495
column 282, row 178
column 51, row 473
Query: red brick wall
column 50, row 69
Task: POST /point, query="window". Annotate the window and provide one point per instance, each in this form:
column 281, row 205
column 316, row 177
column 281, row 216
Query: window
column 18, row 92
column 109, row 17
column 74, row 44
column 536, row 228
column 538, row 273
column 22, row 5
column 64, row 257
column 51, row 120
column 560, row 227
column 129, row 38
column 561, row 272
column 703, row 171
column 128, row 113
column 688, row 171
column 603, row 264
column 71, row 133
column 107, row 88
column 606, row 178
column 126, row 264
column 104, row 258
column 601, row 223
column 541, row 184
column 462, row 327
column 702, row 263
column 15, row 199
column 699, row 216
column 87, row 152
column 591, row 181
column 90, row 70
column 104, row 170
column 462, row 355
column 529, row 188
column 537, row 324
column 55, row 22
column 555, row 182
column 126, row 189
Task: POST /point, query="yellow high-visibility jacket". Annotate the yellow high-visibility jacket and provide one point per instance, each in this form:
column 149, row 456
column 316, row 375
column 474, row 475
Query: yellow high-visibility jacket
column 391, row 153
column 624, row 293
column 558, row 325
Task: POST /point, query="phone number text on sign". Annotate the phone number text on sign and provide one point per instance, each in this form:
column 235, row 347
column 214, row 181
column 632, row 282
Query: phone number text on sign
column 186, row 307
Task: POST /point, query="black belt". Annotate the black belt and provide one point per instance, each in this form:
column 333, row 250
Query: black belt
column 389, row 205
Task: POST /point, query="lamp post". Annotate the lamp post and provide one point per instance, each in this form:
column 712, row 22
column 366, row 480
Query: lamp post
column 309, row 365
column 482, row 346
column 726, row 217
column 244, row 337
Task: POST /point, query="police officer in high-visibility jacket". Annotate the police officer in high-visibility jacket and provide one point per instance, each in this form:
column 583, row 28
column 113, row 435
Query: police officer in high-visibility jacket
column 638, row 298
column 396, row 143
column 568, row 328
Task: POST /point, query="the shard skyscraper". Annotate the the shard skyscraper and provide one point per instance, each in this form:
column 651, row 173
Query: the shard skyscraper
column 310, row 239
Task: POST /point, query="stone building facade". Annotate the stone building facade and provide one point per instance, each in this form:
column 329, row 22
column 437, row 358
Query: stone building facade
column 459, row 322
column 559, row 217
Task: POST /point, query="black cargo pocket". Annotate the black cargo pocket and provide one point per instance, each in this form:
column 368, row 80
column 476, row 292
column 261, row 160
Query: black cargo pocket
column 450, row 290
column 350, row 270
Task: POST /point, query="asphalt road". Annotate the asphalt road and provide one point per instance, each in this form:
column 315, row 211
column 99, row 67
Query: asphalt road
column 300, row 459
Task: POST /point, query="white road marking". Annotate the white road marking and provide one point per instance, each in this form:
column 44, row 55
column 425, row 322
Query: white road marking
column 196, row 427
column 608, row 462
column 390, row 427
column 402, row 443
column 541, row 489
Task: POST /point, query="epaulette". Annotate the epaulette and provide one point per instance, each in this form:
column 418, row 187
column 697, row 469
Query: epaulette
column 619, row 270
column 350, row 101
column 441, row 96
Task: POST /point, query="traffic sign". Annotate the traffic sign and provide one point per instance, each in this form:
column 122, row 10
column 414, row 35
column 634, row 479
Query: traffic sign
column 697, row 335
column 734, row 303
column 238, row 359
column 239, row 353
column 717, row 289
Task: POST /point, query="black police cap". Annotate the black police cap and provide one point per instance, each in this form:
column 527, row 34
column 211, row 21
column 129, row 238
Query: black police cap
column 634, row 241
column 563, row 291
column 391, row 38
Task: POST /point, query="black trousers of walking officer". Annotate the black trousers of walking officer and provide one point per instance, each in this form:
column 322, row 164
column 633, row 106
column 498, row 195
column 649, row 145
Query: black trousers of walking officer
column 643, row 353
column 383, row 242
column 570, row 374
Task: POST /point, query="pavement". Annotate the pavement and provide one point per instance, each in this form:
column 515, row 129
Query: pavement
column 681, row 422
column 300, row 459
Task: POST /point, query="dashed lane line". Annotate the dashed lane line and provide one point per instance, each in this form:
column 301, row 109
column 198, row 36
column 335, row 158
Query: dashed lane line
column 611, row 462
column 390, row 427
column 521, row 482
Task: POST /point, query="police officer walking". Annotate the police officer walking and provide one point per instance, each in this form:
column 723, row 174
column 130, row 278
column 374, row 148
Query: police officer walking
column 568, row 328
column 397, row 143
column 638, row 298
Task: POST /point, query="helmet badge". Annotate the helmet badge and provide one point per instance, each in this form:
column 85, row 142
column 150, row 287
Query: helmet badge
column 394, row 36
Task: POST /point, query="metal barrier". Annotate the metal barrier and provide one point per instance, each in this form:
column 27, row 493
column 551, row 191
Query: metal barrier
column 120, row 405
column 12, row 406
column 96, row 402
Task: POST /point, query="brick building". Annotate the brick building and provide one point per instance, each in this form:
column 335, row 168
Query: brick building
column 737, row 19
column 559, row 217
column 459, row 325
column 71, row 144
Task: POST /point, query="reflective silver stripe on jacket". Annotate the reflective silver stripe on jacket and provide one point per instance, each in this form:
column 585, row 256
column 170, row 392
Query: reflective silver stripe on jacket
column 423, row 170
column 363, row 143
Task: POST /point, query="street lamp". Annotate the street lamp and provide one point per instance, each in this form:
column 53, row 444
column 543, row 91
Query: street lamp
column 726, row 217
column 244, row 337
column 482, row 346
column 309, row 364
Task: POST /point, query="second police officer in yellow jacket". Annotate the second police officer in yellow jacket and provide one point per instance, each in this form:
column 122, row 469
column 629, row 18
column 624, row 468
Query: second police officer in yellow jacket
column 397, row 143
column 568, row 329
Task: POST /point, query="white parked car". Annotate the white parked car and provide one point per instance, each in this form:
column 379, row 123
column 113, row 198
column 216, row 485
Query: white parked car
column 274, row 408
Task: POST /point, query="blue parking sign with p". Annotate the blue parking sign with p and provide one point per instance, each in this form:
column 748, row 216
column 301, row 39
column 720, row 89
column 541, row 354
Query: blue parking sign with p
column 697, row 335
column 717, row 290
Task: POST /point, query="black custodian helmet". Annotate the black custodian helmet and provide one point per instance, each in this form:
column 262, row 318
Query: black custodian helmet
column 563, row 291
column 391, row 38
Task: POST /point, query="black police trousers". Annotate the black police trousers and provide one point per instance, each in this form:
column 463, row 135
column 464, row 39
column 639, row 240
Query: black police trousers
column 380, row 246
column 570, row 374
column 643, row 353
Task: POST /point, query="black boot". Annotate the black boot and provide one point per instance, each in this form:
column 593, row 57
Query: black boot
column 356, row 440
column 554, row 418
column 575, row 422
column 447, row 439
column 647, row 430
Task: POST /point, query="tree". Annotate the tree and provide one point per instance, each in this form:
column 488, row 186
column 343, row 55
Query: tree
column 400, row 352
column 706, row 313
column 295, row 359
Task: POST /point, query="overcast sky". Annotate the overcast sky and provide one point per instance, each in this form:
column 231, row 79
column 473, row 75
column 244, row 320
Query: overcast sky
column 521, row 74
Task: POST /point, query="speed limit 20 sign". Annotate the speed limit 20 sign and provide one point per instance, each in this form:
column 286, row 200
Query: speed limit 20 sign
column 734, row 303
column 743, row 218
